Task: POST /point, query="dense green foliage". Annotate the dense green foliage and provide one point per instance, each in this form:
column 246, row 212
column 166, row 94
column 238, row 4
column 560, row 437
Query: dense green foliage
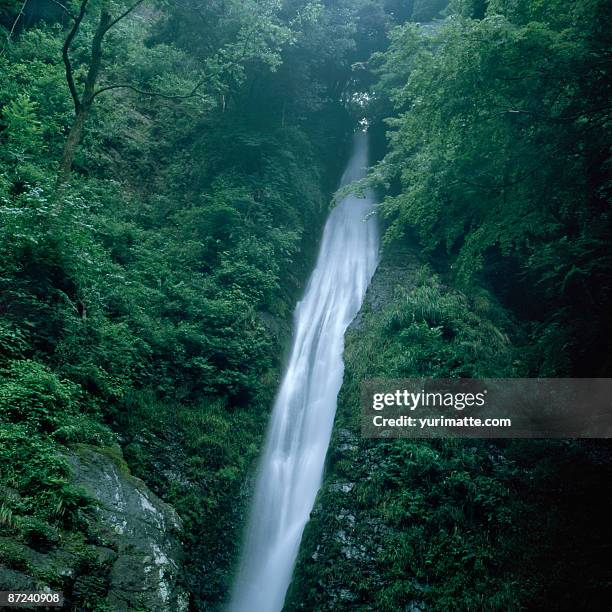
column 499, row 159
column 162, row 188
column 156, row 225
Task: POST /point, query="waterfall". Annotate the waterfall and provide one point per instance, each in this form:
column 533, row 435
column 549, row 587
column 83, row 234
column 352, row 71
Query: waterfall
column 291, row 467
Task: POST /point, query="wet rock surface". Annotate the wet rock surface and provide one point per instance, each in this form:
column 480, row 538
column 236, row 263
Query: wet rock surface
column 390, row 276
column 132, row 554
column 142, row 530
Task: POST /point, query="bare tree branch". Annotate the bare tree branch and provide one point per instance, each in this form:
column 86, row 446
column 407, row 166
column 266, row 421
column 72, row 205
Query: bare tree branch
column 158, row 94
column 66, row 57
column 123, row 15
column 12, row 30
column 65, row 9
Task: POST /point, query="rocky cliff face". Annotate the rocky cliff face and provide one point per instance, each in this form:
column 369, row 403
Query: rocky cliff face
column 394, row 274
column 140, row 529
column 131, row 556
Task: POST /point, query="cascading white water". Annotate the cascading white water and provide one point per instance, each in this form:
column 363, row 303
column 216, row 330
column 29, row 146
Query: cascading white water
column 302, row 418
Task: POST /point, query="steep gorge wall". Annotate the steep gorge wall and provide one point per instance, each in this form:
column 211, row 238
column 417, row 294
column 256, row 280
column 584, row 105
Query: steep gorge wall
column 446, row 524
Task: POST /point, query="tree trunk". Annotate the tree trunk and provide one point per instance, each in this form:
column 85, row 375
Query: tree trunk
column 84, row 105
column 70, row 147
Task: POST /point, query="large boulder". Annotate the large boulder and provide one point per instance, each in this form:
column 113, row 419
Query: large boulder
column 140, row 528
